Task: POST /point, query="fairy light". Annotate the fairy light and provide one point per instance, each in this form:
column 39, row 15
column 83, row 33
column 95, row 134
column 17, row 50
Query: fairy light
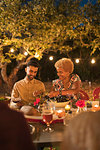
column 77, row 60
column 93, row 61
column 36, row 55
column 51, row 58
column 11, row 50
column 25, row 53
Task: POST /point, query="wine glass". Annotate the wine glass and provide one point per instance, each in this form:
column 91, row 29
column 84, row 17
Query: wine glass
column 47, row 113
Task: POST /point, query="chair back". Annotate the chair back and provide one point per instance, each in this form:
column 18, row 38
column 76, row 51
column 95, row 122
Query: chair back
column 83, row 95
column 96, row 93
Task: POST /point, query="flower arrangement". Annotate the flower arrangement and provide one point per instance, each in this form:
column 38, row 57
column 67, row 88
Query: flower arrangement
column 80, row 103
column 36, row 103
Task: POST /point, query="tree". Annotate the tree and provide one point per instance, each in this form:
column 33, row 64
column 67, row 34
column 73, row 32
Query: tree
column 40, row 26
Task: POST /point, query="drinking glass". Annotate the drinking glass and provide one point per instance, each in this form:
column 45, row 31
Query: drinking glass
column 68, row 117
column 47, row 113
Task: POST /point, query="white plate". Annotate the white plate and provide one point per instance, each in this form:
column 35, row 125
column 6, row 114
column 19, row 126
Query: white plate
column 33, row 117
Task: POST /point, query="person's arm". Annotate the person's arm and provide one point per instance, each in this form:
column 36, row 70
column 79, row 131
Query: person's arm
column 39, row 92
column 72, row 91
column 65, row 92
column 15, row 98
column 14, row 93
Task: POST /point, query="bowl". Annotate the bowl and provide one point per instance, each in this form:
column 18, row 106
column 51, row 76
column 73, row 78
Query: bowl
column 60, row 104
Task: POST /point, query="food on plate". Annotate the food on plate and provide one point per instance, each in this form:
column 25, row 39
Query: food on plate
column 5, row 100
column 60, row 98
column 60, row 113
column 29, row 110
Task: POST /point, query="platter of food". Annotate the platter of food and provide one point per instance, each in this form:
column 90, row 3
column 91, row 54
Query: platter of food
column 60, row 104
column 5, row 100
column 32, row 115
column 40, row 118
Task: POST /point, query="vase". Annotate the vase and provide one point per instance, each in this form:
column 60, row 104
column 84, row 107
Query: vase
column 80, row 109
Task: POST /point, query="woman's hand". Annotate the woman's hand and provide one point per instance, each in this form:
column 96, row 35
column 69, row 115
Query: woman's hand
column 53, row 94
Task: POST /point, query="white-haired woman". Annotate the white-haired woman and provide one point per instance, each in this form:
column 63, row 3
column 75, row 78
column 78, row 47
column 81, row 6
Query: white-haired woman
column 67, row 83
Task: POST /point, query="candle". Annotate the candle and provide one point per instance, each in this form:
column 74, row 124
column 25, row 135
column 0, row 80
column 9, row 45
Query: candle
column 60, row 113
column 67, row 107
column 96, row 105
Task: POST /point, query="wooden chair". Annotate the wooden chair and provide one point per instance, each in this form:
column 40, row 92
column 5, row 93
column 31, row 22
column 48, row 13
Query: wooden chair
column 83, row 95
column 96, row 93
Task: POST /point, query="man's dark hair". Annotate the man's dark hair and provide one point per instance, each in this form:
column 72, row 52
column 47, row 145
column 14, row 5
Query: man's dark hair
column 33, row 63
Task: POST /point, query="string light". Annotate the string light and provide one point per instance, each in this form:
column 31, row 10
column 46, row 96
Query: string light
column 93, row 61
column 51, row 58
column 25, row 53
column 77, row 60
column 11, row 50
column 36, row 55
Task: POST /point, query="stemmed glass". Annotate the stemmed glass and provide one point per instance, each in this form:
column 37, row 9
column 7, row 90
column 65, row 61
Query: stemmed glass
column 47, row 113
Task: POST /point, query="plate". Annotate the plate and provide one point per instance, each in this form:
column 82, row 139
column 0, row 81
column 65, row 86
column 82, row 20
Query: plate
column 40, row 118
column 33, row 117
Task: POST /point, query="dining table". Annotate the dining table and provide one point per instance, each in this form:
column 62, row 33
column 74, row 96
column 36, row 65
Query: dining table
column 50, row 139
column 47, row 139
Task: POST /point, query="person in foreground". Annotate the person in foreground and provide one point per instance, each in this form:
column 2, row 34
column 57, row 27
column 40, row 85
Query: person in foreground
column 68, row 84
column 83, row 132
column 14, row 131
column 28, row 88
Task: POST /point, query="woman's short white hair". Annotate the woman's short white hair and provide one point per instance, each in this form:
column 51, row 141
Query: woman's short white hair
column 66, row 64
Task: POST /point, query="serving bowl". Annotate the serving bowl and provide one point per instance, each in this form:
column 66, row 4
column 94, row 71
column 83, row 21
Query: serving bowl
column 60, row 104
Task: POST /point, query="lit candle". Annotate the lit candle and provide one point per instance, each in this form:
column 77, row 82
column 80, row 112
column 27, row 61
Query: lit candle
column 67, row 107
column 60, row 113
column 96, row 105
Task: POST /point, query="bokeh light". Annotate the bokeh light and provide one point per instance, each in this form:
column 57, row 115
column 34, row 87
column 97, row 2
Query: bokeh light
column 11, row 50
column 93, row 61
column 77, row 60
column 25, row 53
column 51, row 58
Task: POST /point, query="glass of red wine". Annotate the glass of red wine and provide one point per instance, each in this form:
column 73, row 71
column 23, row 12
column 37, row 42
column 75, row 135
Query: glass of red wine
column 47, row 113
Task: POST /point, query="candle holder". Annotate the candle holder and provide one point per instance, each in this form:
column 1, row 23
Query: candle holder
column 60, row 112
column 67, row 108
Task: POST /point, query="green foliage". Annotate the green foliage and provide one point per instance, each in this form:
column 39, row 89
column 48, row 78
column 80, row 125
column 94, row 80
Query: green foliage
column 40, row 26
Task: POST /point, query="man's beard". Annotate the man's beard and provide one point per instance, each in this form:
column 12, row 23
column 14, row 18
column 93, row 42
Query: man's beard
column 30, row 77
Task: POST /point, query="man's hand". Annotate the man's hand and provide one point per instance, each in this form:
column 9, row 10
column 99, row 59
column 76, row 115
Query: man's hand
column 37, row 93
column 53, row 94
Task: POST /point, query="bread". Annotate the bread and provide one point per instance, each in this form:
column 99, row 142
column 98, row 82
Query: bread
column 29, row 110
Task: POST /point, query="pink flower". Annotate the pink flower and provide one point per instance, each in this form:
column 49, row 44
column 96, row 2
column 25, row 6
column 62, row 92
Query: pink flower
column 80, row 103
column 37, row 100
column 35, row 103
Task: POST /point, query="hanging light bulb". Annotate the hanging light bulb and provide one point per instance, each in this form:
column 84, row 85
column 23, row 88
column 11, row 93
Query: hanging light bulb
column 77, row 60
column 36, row 55
column 25, row 53
column 93, row 61
column 11, row 50
column 51, row 58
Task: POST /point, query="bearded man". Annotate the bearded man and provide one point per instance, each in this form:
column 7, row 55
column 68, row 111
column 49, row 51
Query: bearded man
column 26, row 90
